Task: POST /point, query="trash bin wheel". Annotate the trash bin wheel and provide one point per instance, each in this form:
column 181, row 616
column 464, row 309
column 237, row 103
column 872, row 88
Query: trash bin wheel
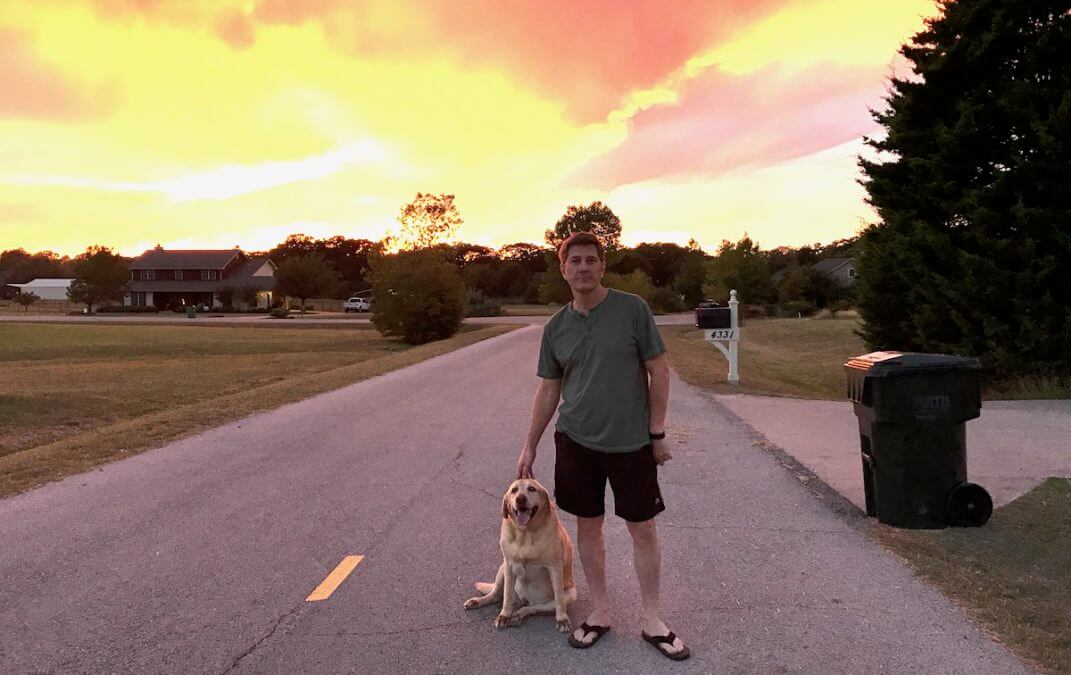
column 969, row 505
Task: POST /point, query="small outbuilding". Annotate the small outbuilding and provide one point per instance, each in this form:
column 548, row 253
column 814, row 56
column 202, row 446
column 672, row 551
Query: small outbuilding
column 46, row 289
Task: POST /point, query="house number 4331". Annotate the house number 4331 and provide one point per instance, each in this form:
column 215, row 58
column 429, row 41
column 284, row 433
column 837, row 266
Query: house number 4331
column 722, row 334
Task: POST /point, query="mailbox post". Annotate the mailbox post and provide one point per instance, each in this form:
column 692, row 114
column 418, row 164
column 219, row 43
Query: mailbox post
column 721, row 328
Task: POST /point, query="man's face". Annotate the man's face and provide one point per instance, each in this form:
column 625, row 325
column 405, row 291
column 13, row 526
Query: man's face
column 582, row 268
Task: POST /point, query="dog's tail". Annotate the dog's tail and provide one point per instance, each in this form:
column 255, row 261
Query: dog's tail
column 484, row 587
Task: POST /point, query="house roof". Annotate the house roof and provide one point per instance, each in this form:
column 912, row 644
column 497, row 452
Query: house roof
column 160, row 259
column 831, row 265
column 251, row 266
column 45, row 283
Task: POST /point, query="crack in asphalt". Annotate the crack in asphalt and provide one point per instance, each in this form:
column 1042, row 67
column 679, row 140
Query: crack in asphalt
column 402, row 631
column 275, row 627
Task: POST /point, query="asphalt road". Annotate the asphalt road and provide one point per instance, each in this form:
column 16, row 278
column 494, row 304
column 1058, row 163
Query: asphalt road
column 198, row 557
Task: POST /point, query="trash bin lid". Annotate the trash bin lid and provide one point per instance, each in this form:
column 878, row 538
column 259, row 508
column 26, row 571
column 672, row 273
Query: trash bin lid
column 890, row 364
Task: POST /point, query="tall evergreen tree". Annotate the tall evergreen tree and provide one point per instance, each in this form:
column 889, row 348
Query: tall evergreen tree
column 972, row 253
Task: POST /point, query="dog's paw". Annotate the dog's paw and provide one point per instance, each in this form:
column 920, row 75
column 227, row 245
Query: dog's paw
column 564, row 626
column 505, row 621
column 472, row 602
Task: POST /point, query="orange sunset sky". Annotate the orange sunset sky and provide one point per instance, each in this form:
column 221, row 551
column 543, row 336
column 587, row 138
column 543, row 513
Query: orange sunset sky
column 215, row 123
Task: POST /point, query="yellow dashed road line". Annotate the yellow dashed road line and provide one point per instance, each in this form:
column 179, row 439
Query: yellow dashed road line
column 333, row 580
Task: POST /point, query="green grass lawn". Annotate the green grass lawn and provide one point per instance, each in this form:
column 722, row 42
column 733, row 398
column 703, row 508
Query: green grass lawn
column 74, row 396
column 778, row 357
column 805, row 358
column 1013, row 575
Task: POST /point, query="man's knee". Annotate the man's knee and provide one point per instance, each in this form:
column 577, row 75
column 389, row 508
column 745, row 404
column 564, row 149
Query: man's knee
column 589, row 527
column 644, row 534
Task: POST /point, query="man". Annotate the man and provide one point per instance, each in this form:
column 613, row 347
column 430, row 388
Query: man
column 597, row 355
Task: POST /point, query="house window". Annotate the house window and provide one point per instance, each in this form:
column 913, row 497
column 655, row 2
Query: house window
column 178, row 275
column 148, row 275
column 137, row 299
column 851, row 272
column 207, row 275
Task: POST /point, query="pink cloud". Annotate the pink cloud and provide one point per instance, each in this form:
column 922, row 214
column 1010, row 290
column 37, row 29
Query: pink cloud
column 724, row 122
column 236, row 29
column 586, row 54
column 32, row 88
column 589, row 54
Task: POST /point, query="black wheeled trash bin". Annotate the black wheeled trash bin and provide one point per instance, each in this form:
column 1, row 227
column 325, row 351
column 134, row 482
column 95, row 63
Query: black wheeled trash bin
column 911, row 410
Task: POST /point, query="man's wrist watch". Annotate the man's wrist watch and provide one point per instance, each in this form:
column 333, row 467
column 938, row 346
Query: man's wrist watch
column 659, row 436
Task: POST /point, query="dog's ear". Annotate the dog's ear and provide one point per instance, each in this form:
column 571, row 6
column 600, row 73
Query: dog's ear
column 546, row 494
column 505, row 508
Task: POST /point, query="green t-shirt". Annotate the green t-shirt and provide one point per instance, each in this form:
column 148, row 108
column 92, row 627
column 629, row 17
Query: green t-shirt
column 600, row 358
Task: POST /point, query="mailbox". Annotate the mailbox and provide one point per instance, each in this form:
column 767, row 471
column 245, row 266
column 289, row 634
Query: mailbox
column 713, row 317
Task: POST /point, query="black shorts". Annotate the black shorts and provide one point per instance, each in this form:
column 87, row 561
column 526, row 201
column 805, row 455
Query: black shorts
column 580, row 481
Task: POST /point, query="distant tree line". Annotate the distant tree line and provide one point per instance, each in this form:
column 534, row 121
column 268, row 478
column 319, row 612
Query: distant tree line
column 669, row 276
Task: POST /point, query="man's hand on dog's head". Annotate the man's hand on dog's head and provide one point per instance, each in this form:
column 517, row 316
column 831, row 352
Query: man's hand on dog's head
column 524, row 464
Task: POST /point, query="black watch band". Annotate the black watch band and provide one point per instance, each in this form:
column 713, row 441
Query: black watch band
column 658, row 437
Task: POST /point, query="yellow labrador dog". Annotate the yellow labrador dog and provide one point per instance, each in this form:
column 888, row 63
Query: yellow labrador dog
column 536, row 576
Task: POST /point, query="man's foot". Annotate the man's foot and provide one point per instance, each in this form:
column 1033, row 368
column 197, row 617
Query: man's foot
column 591, row 630
column 666, row 641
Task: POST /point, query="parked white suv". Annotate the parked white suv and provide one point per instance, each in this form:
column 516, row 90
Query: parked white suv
column 357, row 304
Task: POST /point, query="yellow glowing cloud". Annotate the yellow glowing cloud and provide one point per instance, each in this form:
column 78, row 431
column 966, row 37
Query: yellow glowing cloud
column 209, row 144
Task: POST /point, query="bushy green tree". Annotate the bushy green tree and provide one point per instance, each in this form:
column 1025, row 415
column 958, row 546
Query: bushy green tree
column 305, row 277
column 972, row 253
column 99, row 275
column 428, row 220
column 553, row 289
column 511, row 280
column 691, row 276
column 530, row 256
column 247, row 295
column 636, row 282
column 664, row 261
column 740, row 266
column 26, row 298
column 419, row 296
column 18, row 267
column 596, row 218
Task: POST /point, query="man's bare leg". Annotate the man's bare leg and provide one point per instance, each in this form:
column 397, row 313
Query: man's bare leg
column 647, row 556
column 592, row 549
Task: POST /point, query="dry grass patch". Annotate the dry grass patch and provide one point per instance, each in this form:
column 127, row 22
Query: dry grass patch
column 1012, row 576
column 530, row 310
column 74, row 397
column 778, row 357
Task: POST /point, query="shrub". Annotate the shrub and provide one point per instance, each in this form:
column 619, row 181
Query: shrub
column 481, row 305
column 665, row 299
column 280, row 313
column 838, row 306
column 531, row 294
column 636, row 282
column 420, row 297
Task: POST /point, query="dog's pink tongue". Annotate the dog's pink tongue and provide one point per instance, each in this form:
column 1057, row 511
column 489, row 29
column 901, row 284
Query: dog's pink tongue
column 523, row 517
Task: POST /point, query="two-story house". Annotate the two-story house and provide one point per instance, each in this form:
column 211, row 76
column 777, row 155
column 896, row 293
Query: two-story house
column 169, row 279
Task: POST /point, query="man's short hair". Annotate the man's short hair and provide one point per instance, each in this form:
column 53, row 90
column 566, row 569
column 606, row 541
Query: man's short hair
column 581, row 239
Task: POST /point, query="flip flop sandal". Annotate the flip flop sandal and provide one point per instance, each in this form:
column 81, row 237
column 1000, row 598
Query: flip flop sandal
column 657, row 640
column 598, row 630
